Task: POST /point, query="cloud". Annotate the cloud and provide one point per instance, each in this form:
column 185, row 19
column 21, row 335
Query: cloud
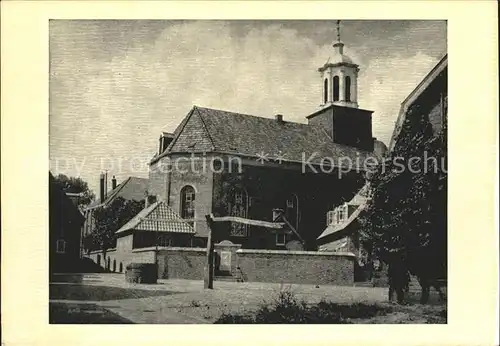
column 114, row 105
column 385, row 83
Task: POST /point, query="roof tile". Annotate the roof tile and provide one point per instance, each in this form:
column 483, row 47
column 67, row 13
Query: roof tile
column 248, row 135
column 153, row 218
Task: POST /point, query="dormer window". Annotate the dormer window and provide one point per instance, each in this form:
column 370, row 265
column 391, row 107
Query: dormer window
column 330, row 217
column 342, row 213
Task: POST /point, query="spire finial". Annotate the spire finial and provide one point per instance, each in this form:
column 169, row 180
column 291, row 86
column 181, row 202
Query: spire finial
column 338, row 30
column 339, row 46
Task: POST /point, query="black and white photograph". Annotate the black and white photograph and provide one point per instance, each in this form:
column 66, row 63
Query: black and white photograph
column 248, row 171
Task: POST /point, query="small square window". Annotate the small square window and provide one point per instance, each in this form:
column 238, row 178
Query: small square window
column 280, row 239
column 60, row 246
column 164, row 241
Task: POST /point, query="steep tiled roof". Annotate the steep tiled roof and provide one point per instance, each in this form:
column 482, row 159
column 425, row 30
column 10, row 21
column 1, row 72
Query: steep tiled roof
column 361, row 197
column 132, row 188
column 424, row 84
column 211, row 130
column 153, row 219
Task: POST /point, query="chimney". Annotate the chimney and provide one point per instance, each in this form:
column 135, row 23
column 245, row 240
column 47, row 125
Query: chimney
column 106, row 185
column 101, row 187
column 113, row 183
column 279, row 118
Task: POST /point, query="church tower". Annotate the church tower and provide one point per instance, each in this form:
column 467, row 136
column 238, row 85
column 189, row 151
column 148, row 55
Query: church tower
column 339, row 77
column 339, row 113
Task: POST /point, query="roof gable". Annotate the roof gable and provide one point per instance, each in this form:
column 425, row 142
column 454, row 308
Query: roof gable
column 193, row 136
column 132, row 188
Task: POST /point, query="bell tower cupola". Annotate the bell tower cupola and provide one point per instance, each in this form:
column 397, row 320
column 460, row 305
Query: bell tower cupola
column 339, row 77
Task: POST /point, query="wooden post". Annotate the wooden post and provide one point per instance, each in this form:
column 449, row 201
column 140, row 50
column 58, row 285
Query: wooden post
column 209, row 267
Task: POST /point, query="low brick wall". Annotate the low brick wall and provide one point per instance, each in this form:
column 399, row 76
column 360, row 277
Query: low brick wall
column 182, row 263
column 306, row 267
column 173, row 262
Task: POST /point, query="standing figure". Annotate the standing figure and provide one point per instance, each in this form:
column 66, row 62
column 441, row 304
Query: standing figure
column 399, row 279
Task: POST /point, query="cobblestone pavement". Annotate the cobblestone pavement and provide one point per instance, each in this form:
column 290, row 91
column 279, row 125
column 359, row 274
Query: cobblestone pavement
column 107, row 298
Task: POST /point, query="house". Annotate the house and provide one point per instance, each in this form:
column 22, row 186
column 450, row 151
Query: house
column 342, row 225
column 65, row 222
column 132, row 188
column 341, row 233
column 155, row 225
column 228, row 163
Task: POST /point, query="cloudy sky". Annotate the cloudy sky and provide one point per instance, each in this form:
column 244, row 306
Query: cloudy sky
column 115, row 85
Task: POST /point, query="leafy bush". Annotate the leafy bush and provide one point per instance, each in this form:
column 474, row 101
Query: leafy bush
column 286, row 308
column 234, row 319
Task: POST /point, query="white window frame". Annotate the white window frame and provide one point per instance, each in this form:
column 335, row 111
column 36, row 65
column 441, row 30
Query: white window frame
column 278, row 237
column 330, row 217
column 58, row 246
column 239, row 195
column 164, row 240
column 342, row 212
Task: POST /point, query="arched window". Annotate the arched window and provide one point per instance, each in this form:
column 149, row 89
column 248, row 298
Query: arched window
column 336, row 88
column 238, row 206
column 187, row 202
column 121, row 267
column 348, row 89
column 325, row 89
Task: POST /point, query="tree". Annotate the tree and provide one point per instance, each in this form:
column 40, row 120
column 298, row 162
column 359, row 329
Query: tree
column 76, row 185
column 108, row 220
column 406, row 216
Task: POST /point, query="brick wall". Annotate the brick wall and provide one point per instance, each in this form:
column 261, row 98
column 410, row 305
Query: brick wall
column 346, row 125
column 323, row 118
column 306, row 267
column 201, row 180
column 182, row 263
column 178, row 263
column 158, row 179
column 353, row 126
column 269, row 188
column 169, row 185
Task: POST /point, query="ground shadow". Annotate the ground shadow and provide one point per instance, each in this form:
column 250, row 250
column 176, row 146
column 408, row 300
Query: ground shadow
column 69, row 291
column 70, row 313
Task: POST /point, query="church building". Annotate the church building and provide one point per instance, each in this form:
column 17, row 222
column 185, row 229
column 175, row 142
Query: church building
column 232, row 164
